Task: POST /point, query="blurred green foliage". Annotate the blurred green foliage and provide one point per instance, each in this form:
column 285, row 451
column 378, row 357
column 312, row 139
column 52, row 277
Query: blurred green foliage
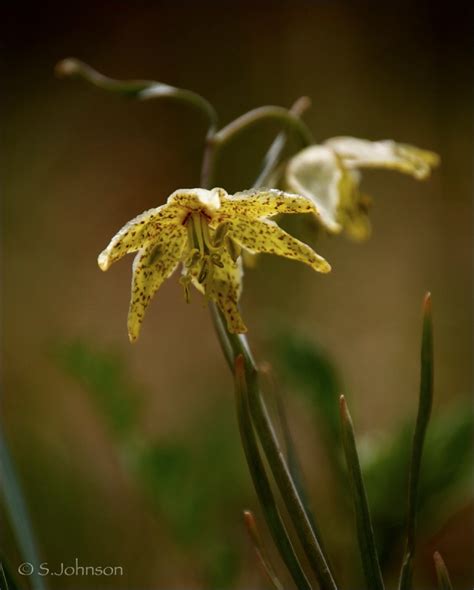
column 190, row 482
column 310, row 369
column 103, row 374
column 193, row 481
column 444, row 482
column 448, row 452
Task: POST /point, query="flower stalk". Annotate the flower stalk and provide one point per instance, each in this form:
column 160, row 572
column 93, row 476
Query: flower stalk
column 289, row 119
column 261, row 481
column 139, row 89
column 235, row 346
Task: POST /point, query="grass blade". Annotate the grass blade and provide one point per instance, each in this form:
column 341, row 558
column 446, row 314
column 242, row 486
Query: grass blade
column 261, row 482
column 234, row 346
column 18, row 514
column 423, row 417
column 444, row 583
column 365, row 534
column 252, row 530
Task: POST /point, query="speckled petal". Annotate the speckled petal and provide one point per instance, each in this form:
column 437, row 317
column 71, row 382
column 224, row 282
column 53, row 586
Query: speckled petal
column 265, row 236
column 354, row 206
column 266, row 203
column 196, row 199
column 316, row 173
column 361, row 153
column 224, row 288
column 138, row 232
column 152, row 265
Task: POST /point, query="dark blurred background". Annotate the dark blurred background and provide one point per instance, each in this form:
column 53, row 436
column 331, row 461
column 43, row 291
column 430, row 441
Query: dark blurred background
column 129, row 455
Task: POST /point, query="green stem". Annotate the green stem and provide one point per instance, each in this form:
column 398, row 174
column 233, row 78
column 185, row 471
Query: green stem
column 261, row 482
column 140, row 89
column 273, row 155
column 215, row 141
column 268, row 113
column 235, row 345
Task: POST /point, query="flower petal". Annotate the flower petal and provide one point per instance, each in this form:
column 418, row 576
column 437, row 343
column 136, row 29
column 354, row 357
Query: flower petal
column 196, row 199
column 267, row 237
column 223, row 285
column 152, row 265
column 362, row 153
column 137, row 233
column 316, row 173
column 225, row 289
column 266, row 203
column 354, row 207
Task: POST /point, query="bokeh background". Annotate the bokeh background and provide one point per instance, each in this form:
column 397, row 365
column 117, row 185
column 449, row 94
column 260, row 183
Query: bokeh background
column 129, row 455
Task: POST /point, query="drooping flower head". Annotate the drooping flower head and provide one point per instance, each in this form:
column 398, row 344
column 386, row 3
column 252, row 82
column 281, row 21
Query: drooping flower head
column 329, row 175
column 205, row 230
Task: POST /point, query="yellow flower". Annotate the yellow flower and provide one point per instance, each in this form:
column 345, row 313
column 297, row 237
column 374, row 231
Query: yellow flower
column 329, row 175
column 205, row 230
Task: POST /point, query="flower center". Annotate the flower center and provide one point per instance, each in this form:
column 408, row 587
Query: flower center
column 205, row 247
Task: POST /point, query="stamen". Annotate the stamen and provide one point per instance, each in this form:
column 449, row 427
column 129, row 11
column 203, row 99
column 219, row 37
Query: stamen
column 215, row 259
column 192, row 258
column 210, row 242
column 234, row 249
column 220, row 233
column 190, row 228
column 204, row 270
column 208, row 280
column 196, row 217
column 185, row 281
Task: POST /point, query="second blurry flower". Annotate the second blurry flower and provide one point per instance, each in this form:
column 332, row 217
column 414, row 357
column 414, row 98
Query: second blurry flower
column 329, row 174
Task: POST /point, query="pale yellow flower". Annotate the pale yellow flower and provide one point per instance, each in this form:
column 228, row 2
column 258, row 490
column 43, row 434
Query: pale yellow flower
column 205, row 231
column 329, row 175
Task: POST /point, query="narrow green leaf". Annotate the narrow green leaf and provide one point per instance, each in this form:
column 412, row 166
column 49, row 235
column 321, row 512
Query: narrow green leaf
column 444, row 583
column 234, row 346
column 252, row 530
column 291, row 454
column 365, row 534
column 18, row 514
column 424, row 411
column 261, row 481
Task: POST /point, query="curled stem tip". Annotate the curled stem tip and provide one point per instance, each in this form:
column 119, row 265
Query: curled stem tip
column 139, row 89
column 67, row 67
